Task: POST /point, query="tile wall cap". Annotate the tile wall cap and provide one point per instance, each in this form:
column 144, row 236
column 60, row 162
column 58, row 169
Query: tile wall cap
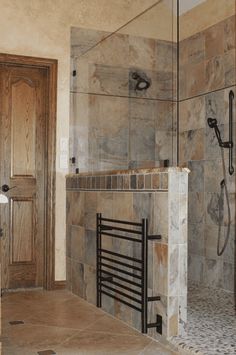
column 132, row 172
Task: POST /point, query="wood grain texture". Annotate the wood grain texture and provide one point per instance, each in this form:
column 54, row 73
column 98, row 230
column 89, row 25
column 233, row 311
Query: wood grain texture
column 22, row 231
column 23, row 132
column 35, row 184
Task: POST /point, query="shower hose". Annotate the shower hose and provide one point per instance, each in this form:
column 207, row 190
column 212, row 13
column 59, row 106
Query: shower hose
column 224, row 190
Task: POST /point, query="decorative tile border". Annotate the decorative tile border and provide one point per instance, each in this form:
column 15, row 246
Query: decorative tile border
column 124, row 182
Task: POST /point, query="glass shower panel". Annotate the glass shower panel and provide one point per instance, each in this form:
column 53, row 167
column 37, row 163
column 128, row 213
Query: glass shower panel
column 123, row 100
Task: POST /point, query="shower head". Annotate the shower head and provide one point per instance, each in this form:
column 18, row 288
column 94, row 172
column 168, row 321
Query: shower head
column 212, row 122
column 142, row 83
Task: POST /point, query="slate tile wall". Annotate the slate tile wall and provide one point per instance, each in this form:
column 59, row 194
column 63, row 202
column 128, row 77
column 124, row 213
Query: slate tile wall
column 207, row 68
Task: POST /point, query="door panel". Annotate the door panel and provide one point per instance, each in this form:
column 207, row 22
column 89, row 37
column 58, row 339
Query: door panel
column 23, row 128
column 22, row 144
column 22, row 247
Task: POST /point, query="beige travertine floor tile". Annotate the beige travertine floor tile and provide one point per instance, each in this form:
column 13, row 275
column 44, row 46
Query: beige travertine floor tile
column 108, row 324
column 77, row 318
column 155, row 348
column 37, row 336
column 88, row 343
column 62, row 322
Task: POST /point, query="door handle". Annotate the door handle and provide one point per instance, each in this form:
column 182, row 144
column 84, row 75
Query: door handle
column 6, row 188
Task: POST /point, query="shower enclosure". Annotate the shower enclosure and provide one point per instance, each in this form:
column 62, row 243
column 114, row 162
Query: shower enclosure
column 160, row 91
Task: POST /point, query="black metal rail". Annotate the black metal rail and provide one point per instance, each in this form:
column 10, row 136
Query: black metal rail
column 128, row 284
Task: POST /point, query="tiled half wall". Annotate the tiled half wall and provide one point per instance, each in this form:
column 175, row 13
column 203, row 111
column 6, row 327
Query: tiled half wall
column 162, row 198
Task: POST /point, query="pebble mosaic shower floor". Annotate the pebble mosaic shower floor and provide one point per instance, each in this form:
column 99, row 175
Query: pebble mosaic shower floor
column 211, row 326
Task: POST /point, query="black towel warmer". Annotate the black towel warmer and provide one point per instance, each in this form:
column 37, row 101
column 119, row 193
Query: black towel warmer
column 109, row 276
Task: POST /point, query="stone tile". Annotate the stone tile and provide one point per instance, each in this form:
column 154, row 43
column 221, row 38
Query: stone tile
column 148, row 181
column 196, row 176
column 173, row 316
column 232, row 209
column 228, row 276
column 140, row 182
column 78, row 243
column 211, row 236
column 115, row 50
column 229, row 67
column 160, row 223
column 75, row 208
column 214, row 40
column 143, row 109
column 133, row 182
column 77, row 278
column 163, row 145
column 142, row 52
column 183, row 261
column 213, row 175
column 215, row 75
column 108, row 325
column 165, row 85
column 165, row 56
column 192, row 114
column 90, row 284
column 109, row 128
column 114, row 182
column 213, row 273
column 90, row 247
column 196, row 240
column 196, row 207
column 164, row 181
column 39, row 337
column 196, row 48
column 109, row 80
column 183, row 315
column 173, row 270
column 195, row 268
column 104, row 343
column 123, row 312
column 105, row 204
column 229, row 33
column 160, row 262
column 213, row 205
column 165, row 116
column 192, row 145
column 156, row 348
column 90, row 210
column 144, row 132
column 196, row 78
column 229, row 254
column 215, row 106
column 126, row 182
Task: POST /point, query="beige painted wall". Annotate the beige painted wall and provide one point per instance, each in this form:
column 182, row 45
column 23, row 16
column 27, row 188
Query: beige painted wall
column 41, row 28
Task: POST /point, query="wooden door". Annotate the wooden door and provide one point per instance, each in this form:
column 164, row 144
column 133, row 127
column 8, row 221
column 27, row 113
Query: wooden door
column 22, row 168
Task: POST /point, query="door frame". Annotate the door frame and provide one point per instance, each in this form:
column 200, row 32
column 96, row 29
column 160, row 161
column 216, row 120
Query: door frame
column 50, row 65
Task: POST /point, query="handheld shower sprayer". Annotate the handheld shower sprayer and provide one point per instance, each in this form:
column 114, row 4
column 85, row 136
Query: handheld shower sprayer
column 212, row 123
